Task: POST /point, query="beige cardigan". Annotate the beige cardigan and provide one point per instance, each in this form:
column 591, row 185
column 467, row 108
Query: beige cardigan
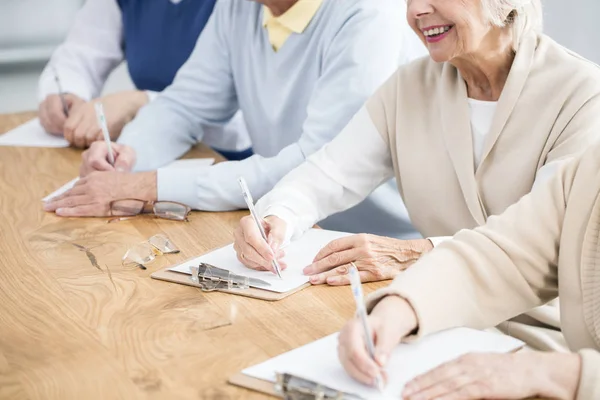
column 546, row 244
column 419, row 130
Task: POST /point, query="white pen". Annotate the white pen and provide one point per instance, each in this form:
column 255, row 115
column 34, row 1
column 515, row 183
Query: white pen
column 102, row 122
column 250, row 204
column 362, row 315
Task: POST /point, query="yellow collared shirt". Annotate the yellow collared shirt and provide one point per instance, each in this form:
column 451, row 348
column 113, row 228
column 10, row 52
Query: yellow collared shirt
column 294, row 20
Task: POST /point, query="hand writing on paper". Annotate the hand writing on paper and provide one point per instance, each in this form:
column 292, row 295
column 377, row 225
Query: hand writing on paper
column 390, row 321
column 252, row 250
column 52, row 115
column 376, row 257
column 92, row 194
column 500, row 376
column 81, row 128
column 96, row 158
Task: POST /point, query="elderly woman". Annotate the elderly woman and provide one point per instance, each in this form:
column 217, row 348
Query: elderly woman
column 547, row 244
column 467, row 132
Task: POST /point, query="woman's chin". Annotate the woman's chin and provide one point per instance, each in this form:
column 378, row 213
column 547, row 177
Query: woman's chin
column 438, row 56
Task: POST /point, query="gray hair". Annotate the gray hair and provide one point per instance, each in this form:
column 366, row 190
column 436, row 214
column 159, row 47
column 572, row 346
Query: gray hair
column 523, row 15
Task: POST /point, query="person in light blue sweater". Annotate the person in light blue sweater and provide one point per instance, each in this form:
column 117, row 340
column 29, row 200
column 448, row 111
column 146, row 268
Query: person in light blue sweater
column 296, row 93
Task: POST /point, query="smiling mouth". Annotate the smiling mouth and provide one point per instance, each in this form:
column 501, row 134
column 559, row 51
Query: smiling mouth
column 436, row 32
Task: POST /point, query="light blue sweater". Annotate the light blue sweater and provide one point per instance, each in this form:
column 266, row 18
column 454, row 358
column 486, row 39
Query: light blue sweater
column 294, row 101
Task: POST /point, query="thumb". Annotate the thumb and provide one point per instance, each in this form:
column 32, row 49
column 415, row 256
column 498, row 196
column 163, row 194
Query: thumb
column 385, row 342
column 277, row 230
column 125, row 159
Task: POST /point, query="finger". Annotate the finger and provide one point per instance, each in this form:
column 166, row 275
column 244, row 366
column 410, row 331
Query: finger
column 353, row 351
column 79, row 135
column 344, row 279
column 43, row 115
column 239, row 245
column 56, row 114
column 354, row 372
column 249, row 264
column 71, row 124
column 88, row 210
column 125, row 159
column 276, row 230
column 94, row 133
column 97, row 158
column 319, row 279
column 331, row 261
column 253, row 238
column 341, row 244
column 251, row 256
column 434, row 377
column 68, row 202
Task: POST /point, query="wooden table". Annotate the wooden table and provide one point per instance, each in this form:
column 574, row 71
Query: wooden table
column 69, row 330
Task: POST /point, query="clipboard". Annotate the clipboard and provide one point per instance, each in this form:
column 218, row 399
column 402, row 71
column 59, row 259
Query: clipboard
column 291, row 387
column 181, row 278
column 258, row 385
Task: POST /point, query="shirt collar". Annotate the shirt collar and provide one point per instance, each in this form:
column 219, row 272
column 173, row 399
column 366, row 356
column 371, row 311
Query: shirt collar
column 297, row 18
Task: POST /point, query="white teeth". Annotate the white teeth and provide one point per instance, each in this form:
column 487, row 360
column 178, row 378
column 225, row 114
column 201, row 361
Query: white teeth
column 436, row 31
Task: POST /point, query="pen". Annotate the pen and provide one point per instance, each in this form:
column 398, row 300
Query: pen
column 250, row 204
column 362, row 315
column 102, row 122
column 61, row 94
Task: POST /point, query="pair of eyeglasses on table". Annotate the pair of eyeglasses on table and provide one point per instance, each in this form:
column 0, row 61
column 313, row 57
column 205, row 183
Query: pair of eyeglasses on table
column 145, row 252
column 128, row 208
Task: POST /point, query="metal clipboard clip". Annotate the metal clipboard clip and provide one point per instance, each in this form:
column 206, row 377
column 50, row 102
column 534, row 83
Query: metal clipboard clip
column 210, row 278
column 295, row 388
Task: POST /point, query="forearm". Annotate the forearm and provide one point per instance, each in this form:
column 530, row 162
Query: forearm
column 215, row 188
column 159, row 134
column 333, row 179
column 492, row 273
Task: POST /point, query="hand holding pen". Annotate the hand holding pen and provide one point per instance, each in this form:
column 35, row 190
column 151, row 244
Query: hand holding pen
column 257, row 241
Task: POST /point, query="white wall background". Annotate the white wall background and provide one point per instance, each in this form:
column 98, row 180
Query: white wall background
column 30, row 30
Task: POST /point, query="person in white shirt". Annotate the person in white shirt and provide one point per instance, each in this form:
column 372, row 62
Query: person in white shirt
column 154, row 38
column 455, row 129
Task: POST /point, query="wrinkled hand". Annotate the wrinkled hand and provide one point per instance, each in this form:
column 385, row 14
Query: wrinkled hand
column 82, row 129
column 500, row 376
column 391, row 320
column 96, row 158
column 251, row 248
column 52, row 115
column 376, row 257
column 92, row 194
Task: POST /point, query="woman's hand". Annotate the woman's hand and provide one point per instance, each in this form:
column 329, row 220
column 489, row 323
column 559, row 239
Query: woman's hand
column 81, row 128
column 376, row 257
column 392, row 319
column 500, row 376
column 252, row 250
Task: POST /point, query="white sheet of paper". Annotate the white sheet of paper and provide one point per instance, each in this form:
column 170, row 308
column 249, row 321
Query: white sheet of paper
column 318, row 361
column 187, row 163
column 31, row 134
column 298, row 254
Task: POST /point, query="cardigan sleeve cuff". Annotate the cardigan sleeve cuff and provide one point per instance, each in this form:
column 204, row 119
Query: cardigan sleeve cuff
column 437, row 240
column 589, row 382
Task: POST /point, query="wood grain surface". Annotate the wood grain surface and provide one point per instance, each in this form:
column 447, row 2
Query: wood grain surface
column 74, row 324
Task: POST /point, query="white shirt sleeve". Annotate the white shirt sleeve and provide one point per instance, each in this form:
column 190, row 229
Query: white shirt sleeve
column 335, row 178
column 91, row 51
